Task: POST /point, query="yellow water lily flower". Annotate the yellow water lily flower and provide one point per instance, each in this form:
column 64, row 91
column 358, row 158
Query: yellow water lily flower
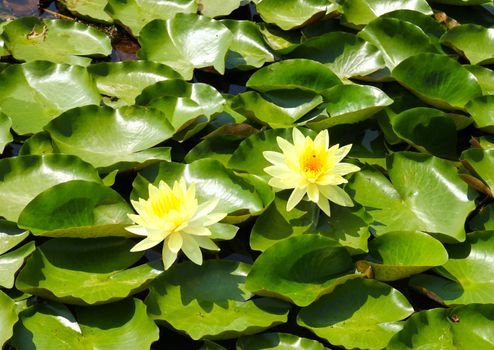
column 174, row 216
column 310, row 167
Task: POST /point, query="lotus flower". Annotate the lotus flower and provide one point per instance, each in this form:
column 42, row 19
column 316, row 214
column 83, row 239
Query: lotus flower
column 173, row 215
column 310, row 167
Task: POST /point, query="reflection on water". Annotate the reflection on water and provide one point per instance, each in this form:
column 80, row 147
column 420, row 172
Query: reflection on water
column 10, row 9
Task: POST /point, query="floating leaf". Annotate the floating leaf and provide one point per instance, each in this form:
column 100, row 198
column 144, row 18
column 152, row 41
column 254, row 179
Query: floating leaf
column 186, row 42
column 277, row 109
column 481, row 109
column 481, row 162
column 344, row 53
column 59, row 41
column 8, row 317
column 39, row 144
column 425, row 194
column 467, row 277
column 135, row 14
column 280, row 341
column 23, row 178
column 91, row 9
column 11, row 262
column 289, row 14
column 347, row 225
column 359, row 314
column 34, row 93
column 300, row 269
column 187, row 297
column 215, row 8
column 112, row 139
column 248, row 49
column 86, row 271
column 124, row 81
column 472, row 41
column 349, row 104
column 121, row 325
column 419, row 127
column 5, row 136
column 276, row 223
column 396, row 39
column 300, row 74
column 361, row 12
column 438, row 80
column 485, row 78
column 10, row 235
column 77, row 209
column 401, row 254
column 237, row 195
column 462, row 327
column 427, row 23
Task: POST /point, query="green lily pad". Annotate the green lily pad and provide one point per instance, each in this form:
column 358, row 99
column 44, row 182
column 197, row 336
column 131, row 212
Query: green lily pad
column 472, row 41
column 215, row 8
column 344, row 53
column 467, row 277
column 485, row 78
column 278, row 108
column 121, row 325
column 86, row 271
column 481, row 109
column 3, row 50
column 23, row 178
column 219, row 148
column 361, row 314
column 362, row 12
column 5, row 135
column 276, row 224
column 187, row 106
column 135, row 14
column 419, row 127
column 480, row 162
column 483, row 220
column 34, row 93
column 279, row 341
column 300, row 74
column 248, row 49
column 10, row 235
column 77, row 208
column 427, row 23
column 462, row 327
column 59, row 41
column 425, row 194
column 401, row 254
column 8, row 317
column 438, row 80
column 289, row 14
column 347, row 225
column 11, row 262
column 187, row 297
column 185, row 42
column 90, row 9
column 39, row 144
column 349, row 104
column 396, row 39
column 124, row 81
column 300, row 269
column 279, row 40
column 112, row 139
column 238, row 195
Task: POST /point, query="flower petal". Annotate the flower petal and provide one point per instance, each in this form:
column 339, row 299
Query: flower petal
column 298, row 137
column 323, row 203
column 285, row 146
column 205, row 208
column 174, row 242
column 342, row 152
column 281, row 183
column 274, row 157
column 192, row 250
column 206, row 243
column 313, row 192
column 322, row 140
column 197, row 231
column 137, row 230
column 337, row 195
column 168, row 257
column 213, row 218
column 145, row 244
column 344, row 168
column 295, row 198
